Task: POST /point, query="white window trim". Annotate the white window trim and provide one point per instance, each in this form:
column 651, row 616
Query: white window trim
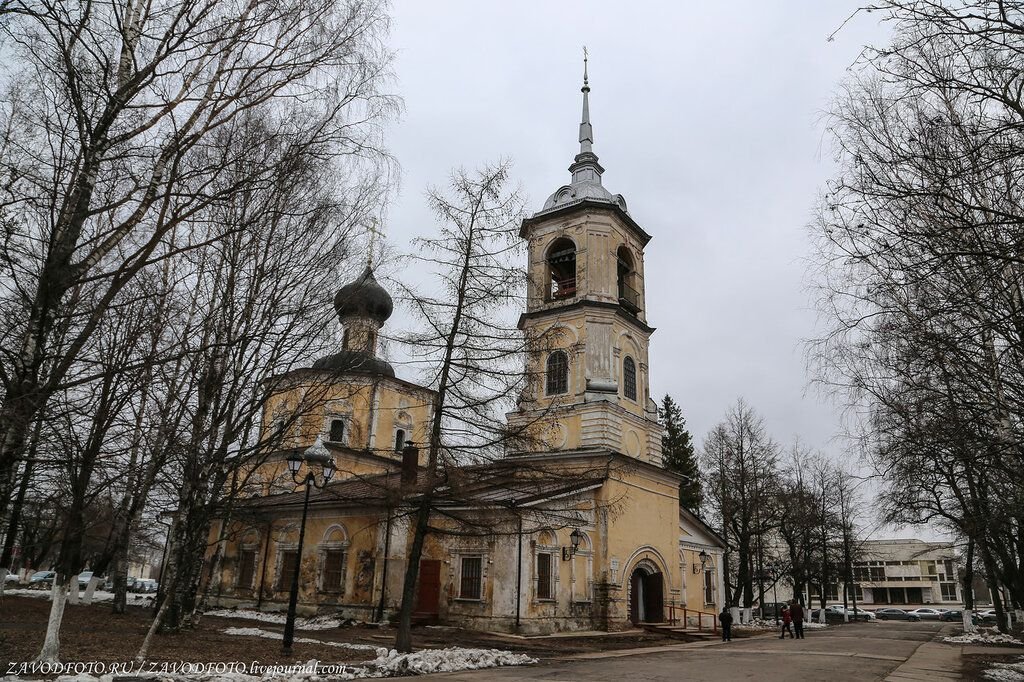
column 283, row 547
column 247, row 547
column 323, row 549
column 484, row 563
column 326, row 433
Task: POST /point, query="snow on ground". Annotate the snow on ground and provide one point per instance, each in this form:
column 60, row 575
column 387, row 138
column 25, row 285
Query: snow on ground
column 97, row 596
column 1006, row 672
column 314, row 623
column 256, row 632
column 387, row 664
column 983, row 636
column 758, row 624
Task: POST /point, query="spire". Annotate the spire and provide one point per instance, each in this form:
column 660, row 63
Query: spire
column 586, row 130
column 585, row 167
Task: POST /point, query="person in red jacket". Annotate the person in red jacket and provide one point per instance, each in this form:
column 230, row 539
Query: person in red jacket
column 796, row 612
column 787, row 620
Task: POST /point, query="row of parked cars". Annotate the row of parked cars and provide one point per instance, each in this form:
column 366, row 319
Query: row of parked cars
column 982, row 617
column 43, row 580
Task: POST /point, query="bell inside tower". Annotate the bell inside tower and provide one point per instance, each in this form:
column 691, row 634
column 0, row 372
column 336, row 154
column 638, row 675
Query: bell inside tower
column 561, row 269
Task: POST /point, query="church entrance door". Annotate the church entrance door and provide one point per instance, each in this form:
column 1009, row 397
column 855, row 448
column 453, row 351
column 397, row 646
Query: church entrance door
column 428, row 598
column 646, row 596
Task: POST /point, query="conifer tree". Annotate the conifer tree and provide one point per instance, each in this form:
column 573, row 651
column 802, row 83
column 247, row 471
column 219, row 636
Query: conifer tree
column 678, row 454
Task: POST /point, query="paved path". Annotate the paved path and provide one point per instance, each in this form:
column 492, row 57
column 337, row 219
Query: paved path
column 862, row 652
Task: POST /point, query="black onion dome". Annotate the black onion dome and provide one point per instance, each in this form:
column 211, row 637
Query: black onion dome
column 364, row 298
column 355, row 362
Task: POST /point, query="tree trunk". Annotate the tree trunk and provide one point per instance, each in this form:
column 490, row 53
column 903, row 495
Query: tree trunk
column 51, row 643
column 403, row 640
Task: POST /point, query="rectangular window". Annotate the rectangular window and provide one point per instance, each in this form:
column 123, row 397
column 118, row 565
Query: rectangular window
column 544, row 590
column 948, row 591
column 246, row 568
column 472, row 573
column 334, row 570
column 287, row 570
column 337, row 434
column 709, row 588
column 877, row 574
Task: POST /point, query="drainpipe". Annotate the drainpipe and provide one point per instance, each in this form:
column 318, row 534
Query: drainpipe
column 263, row 572
column 384, row 568
column 519, row 567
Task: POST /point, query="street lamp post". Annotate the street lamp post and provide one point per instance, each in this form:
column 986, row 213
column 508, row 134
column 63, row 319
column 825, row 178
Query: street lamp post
column 314, row 454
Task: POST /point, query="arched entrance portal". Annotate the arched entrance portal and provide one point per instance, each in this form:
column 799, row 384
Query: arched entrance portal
column 646, row 596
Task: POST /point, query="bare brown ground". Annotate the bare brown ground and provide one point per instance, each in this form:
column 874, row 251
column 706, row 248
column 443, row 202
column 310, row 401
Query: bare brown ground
column 93, row 633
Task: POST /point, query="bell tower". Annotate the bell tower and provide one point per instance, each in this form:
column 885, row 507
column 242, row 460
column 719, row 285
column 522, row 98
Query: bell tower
column 587, row 316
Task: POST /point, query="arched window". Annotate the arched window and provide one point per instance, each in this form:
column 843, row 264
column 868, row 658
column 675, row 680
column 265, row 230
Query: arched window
column 629, row 378
column 558, row 373
column 337, row 433
column 629, row 297
column 399, row 440
column 561, row 269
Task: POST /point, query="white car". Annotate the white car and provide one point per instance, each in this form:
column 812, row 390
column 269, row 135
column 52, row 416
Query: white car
column 923, row 614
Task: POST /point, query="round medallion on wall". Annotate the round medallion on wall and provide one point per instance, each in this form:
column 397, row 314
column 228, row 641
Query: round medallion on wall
column 632, row 441
column 558, row 436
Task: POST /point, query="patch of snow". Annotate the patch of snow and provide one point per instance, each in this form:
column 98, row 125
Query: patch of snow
column 759, row 624
column 1006, row 672
column 387, row 664
column 983, row 636
column 97, row 596
column 313, row 623
column 256, row 632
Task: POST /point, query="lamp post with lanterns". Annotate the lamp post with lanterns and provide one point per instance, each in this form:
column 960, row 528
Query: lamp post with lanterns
column 316, row 453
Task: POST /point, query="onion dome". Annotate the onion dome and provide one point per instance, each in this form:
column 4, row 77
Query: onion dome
column 364, row 298
column 355, row 362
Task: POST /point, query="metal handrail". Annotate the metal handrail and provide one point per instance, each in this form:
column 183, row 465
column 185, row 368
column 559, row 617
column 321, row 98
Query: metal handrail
column 674, row 609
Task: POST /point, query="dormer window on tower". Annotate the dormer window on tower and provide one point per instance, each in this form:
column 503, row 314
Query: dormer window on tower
column 629, row 297
column 561, row 262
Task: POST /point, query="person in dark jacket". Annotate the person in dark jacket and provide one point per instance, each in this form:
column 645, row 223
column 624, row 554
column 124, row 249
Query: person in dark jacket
column 797, row 613
column 787, row 619
column 725, row 618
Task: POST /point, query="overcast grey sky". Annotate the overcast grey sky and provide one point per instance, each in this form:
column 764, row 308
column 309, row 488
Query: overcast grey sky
column 707, row 117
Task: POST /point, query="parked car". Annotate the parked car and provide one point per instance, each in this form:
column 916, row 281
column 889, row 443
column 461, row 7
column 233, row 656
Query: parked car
column 770, row 610
column 83, row 578
column 41, row 580
column 958, row 617
column 146, row 585
column 11, row 577
column 891, row 614
column 923, row 613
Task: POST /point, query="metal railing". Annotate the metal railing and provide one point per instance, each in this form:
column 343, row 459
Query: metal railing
column 629, row 296
column 680, row 614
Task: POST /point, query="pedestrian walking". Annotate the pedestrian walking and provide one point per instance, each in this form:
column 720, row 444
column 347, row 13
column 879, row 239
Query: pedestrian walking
column 725, row 618
column 796, row 612
column 787, row 624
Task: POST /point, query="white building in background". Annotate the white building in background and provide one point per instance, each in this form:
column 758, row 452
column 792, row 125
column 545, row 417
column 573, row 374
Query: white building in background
column 907, row 572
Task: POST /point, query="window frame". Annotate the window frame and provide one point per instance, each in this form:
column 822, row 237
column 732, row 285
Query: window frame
column 478, row 577
column 239, row 582
column 342, row 569
column 284, row 565
column 400, row 438
column 629, row 379
column 563, row 379
column 549, row 593
column 331, row 421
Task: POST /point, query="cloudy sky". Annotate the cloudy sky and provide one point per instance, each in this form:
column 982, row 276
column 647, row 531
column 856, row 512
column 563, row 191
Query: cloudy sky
column 708, row 119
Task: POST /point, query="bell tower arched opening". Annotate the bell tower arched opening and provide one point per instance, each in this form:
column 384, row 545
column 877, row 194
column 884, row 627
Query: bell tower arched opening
column 629, row 296
column 561, row 268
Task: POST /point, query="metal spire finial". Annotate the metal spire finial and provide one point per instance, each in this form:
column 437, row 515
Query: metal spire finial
column 586, row 130
column 373, row 242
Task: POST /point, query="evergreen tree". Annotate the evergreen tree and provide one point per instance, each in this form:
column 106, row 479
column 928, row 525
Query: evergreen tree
column 678, row 454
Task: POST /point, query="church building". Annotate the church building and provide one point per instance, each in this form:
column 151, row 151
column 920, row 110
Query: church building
column 601, row 542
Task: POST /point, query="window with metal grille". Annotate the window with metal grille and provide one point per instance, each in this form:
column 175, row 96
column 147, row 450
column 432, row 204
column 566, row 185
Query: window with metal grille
column 629, row 378
column 558, row 373
column 334, row 570
column 337, row 430
column 470, row 581
column 544, row 590
column 287, row 570
column 246, row 568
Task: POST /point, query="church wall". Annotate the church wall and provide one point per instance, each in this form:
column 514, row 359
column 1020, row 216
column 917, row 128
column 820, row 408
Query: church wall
column 642, row 529
column 359, row 536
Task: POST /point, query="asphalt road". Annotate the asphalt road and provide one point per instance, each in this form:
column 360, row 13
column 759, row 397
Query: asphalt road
column 862, row 652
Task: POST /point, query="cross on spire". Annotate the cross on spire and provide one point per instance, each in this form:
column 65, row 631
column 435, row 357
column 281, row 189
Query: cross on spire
column 372, row 229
